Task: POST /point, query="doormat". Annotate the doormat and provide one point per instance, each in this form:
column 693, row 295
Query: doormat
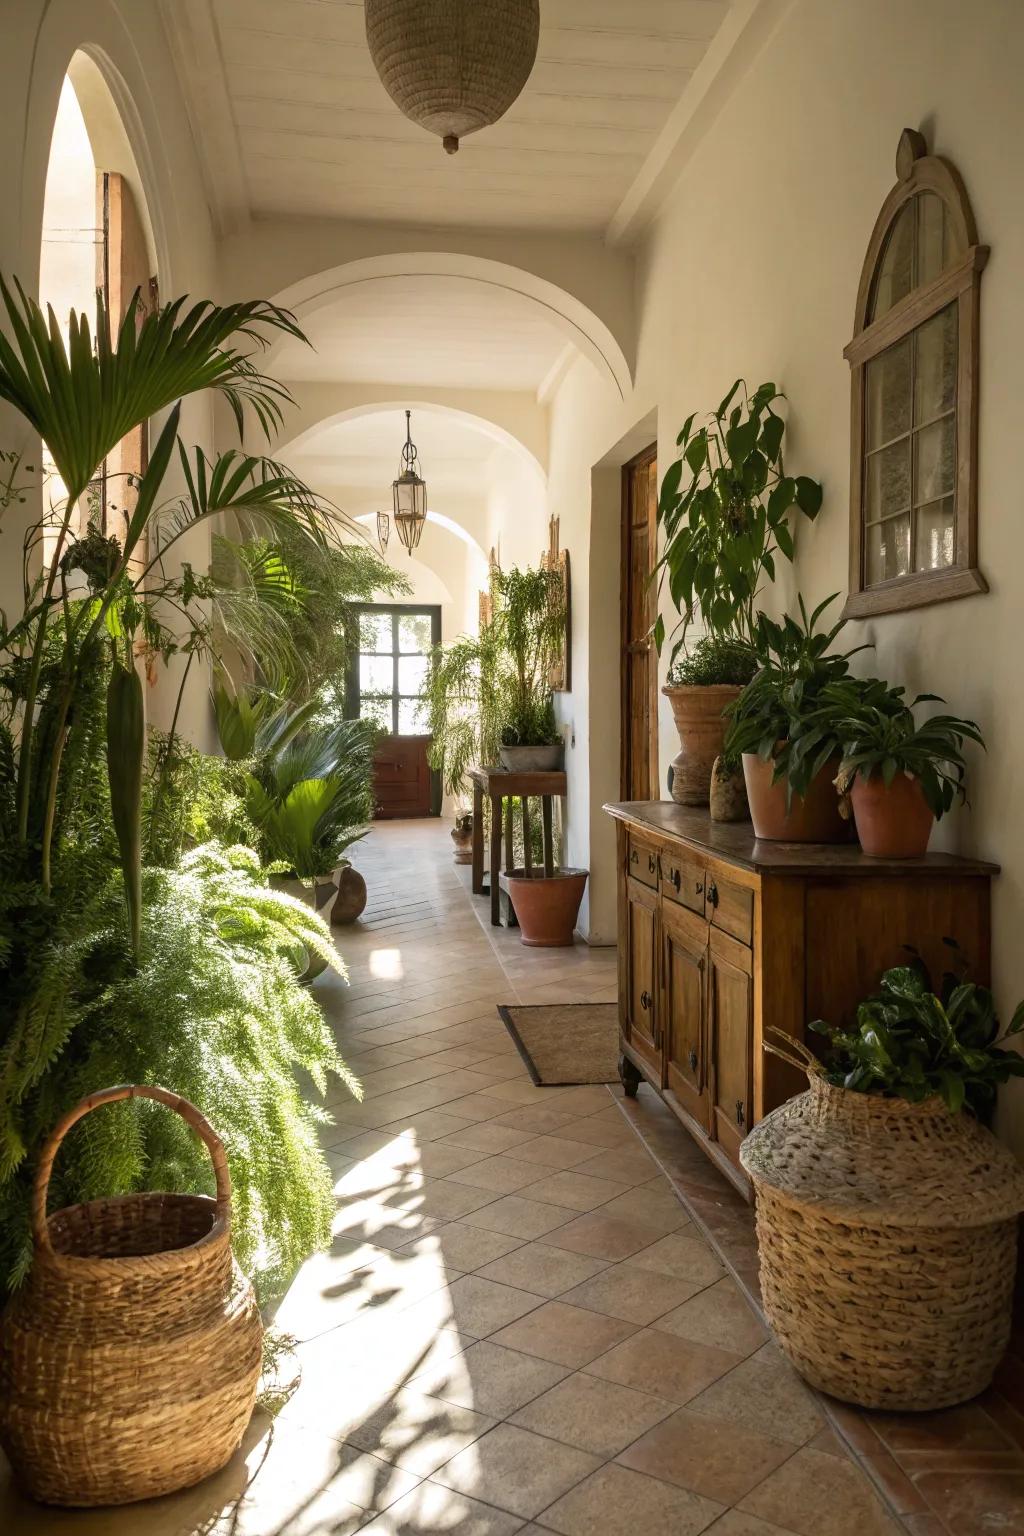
column 565, row 1044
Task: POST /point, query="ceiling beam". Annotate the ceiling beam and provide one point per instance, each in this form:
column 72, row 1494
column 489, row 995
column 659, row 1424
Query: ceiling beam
column 744, row 31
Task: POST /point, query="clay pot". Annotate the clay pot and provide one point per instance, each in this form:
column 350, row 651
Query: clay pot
column 462, row 837
column 697, row 712
column 351, row 898
column 894, row 821
column 546, row 906
column 728, row 794
column 813, row 819
column 548, row 759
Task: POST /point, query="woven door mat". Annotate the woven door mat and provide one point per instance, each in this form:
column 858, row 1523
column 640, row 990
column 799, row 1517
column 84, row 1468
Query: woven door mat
column 565, row 1044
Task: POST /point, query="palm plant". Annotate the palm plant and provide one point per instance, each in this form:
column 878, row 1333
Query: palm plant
column 312, row 797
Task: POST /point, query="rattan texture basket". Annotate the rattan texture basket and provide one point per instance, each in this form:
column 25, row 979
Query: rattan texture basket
column 129, row 1361
column 888, row 1242
column 453, row 66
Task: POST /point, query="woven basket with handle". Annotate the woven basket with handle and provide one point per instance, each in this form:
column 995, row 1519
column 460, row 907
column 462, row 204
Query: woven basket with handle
column 888, row 1241
column 129, row 1361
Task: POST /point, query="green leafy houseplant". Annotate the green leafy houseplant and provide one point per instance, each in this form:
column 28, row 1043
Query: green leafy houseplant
column 713, row 660
column 913, row 1042
column 725, row 510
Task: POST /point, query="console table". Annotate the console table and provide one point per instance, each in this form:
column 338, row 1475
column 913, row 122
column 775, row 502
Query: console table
column 498, row 786
column 722, row 935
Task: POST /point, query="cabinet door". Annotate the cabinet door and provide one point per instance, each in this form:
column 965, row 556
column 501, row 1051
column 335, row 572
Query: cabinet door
column 731, row 1031
column 641, row 967
column 684, row 975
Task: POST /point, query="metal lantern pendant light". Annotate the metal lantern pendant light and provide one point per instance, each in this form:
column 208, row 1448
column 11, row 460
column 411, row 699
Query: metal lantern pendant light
column 453, row 66
column 409, row 493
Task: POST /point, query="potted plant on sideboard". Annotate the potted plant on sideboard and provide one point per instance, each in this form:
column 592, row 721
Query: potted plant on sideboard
column 899, row 777
column 882, row 1181
column 701, row 684
column 725, row 510
column 785, row 736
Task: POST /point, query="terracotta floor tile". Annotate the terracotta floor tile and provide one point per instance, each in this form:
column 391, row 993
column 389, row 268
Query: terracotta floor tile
column 417, row 1433
column 546, row 1271
column 973, row 1505
column 555, row 1152
column 521, row 1472
column 968, row 1428
column 660, row 1208
column 567, row 1335
column 604, row 1237
column 637, row 1295
column 440, row 1198
column 719, row 1460
column 735, row 1523
column 486, row 1137
column 616, row 1499
column 676, row 1369
column 502, row 1174
column 480, row 1306
column 517, row 1216
column 472, row 1247
column 685, row 1255
column 431, row 1125
column 719, row 1316
column 818, row 1495
column 593, row 1415
column 540, row 1121
column 490, row 1379
column 623, row 1165
column 600, row 1132
column 431, row 1508
column 574, row 1190
column 764, row 1394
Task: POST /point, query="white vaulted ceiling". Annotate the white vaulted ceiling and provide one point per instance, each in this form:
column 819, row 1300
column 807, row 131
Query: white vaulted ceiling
column 300, row 123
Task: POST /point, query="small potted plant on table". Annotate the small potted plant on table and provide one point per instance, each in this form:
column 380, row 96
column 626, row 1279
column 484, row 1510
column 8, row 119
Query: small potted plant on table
column 725, row 509
column 900, row 777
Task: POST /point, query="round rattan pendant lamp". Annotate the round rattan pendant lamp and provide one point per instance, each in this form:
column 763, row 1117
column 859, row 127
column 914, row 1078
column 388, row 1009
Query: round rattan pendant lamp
column 453, row 66
column 409, row 493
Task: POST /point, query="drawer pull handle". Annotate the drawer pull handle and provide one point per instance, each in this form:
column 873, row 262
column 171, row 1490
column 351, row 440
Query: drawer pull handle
column 645, row 1000
column 713, row 894
column 698, row 888
column 634, row 857
column 650, row 863
column 692, row 1058
column 677, row 879
column 740, row 1113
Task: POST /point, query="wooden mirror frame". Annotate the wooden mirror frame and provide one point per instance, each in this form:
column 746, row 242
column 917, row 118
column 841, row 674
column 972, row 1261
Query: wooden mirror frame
column 917, row 172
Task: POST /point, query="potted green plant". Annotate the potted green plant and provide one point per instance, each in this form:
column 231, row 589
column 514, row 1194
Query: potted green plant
column 783, row 735
column 899, row 777
column 462, row 837
column 725, row 510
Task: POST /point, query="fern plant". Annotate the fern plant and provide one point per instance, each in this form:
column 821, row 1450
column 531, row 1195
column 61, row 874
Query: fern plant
column 223, row 1021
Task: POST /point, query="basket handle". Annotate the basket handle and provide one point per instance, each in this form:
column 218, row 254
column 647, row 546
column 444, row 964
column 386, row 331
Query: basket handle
column 791, row 1050
column 188, row 1112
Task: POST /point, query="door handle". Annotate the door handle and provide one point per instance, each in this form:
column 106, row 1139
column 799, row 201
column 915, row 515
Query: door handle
column 634, row 857
column 740, row 1113
column 692, row 1058
column 713, row 894
column 650, row 864
column 645, row 999
column 677, row 880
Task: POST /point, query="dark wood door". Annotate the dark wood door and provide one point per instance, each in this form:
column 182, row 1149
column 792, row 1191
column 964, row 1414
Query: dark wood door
column 401, row 777
column 639, row 671
column 641, row 967
column 731, row 1040
column 684, row 976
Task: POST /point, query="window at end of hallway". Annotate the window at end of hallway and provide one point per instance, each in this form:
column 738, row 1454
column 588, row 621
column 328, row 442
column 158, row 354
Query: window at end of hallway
column 914, row 400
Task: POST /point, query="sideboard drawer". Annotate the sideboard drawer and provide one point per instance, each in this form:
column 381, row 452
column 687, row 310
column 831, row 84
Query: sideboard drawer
column 683, row 880
column 642, row 863
column 731, row 908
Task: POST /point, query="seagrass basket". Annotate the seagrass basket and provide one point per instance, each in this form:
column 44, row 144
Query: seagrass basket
column 130, row 1358
column 888, row 1241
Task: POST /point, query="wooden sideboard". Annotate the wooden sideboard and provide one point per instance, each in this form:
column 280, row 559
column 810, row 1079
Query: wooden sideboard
column 721, row 936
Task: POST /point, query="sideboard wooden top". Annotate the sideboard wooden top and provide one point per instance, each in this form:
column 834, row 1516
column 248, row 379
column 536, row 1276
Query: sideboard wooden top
column 735, row 843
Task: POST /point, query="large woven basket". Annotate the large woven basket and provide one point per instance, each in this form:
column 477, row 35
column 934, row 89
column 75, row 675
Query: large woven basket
column 887, row 1237
column 130, row 1359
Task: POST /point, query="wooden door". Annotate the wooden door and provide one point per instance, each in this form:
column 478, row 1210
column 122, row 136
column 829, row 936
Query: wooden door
column 638, row 597
column 684, row 961
column 401, row 777
column 641, row 973
column 731, row 1041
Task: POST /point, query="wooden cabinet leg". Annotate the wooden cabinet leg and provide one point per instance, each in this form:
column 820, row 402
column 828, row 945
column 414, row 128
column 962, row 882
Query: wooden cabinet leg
column 631, row 1078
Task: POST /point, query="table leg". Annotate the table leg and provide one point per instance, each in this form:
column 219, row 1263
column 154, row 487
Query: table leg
column 478, row 840
column 527, row 854
column 495, row 860
column 510, row 861
column 549, row 842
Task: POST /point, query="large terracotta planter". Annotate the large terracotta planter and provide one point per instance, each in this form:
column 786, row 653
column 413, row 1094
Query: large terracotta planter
column 546, row 906
column 351, row 898
column 813, row 819
column 697, row 712
column 893, row 821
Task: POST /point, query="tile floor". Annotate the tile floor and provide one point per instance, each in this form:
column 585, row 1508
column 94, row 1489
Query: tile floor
column 520, row 1328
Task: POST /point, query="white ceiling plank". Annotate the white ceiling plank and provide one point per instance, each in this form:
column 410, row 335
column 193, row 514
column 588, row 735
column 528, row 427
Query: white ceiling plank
column 193, row 37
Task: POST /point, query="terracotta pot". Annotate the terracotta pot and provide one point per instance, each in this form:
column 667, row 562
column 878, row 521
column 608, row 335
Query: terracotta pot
column 462, row 837
column 813, row 819
column 351, row 897
column 697, row 712
column 893, row 822
column 546, row 906
column 548, row 759
column 728, row 794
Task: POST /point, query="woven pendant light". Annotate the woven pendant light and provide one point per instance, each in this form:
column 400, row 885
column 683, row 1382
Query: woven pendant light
column 453, row 66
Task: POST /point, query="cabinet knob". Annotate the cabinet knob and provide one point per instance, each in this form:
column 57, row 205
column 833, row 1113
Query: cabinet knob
column 713, row 894
column 692, row 1058
column 645, row 1000
column 740, row 1113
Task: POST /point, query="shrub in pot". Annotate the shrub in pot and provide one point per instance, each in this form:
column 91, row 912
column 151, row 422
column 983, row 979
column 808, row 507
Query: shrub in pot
column 784, row 736
column 725, row 509
column 882, row 1181
column 899, row 777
